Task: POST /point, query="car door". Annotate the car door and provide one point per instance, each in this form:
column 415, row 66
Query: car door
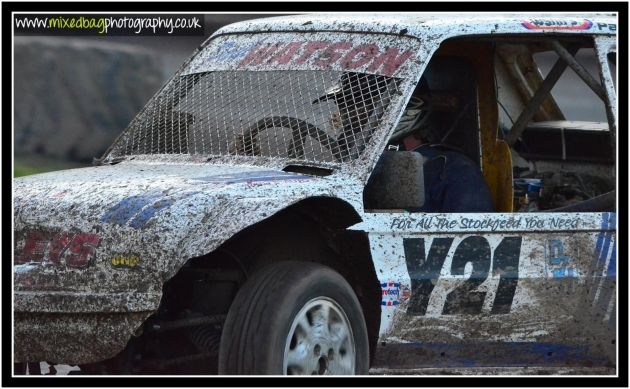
column 530, row 288
column 472, row 290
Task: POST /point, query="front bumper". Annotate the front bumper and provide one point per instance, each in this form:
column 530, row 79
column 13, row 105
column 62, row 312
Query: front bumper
column 75, row 328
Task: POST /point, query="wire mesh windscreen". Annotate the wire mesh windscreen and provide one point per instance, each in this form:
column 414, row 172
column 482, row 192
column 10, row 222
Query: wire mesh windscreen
column 321, row 116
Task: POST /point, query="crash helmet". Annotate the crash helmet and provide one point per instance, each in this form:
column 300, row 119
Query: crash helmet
column 416, row 118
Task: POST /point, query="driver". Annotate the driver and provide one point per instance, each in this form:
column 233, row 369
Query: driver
column 453, row 182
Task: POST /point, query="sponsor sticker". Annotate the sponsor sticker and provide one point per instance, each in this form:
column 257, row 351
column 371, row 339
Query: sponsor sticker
column 125, row 261
column 386, row 56
column 61, row 248
column 393, row 293
column 551, row 24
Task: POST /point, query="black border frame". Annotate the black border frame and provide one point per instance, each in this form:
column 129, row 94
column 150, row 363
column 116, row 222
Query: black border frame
column 253, row 7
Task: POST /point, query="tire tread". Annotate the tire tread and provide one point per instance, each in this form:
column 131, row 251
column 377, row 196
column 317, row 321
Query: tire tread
column 245, row 340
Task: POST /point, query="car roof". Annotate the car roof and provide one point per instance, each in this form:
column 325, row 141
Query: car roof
column 432, row 25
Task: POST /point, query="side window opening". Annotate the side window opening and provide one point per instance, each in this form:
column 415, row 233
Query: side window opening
column 450, row 117
column 562, row 157
column 561, row 160
column 440, row 130
column 576, row 100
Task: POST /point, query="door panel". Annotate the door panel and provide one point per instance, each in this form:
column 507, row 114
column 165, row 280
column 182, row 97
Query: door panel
column 530, row 289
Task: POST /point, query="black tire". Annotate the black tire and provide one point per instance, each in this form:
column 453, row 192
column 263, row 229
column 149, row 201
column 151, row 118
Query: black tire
column 260, row 318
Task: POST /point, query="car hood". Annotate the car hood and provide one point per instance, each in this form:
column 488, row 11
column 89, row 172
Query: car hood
column 131, row 226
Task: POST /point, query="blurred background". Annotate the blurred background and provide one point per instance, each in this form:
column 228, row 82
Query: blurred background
column 73, row 96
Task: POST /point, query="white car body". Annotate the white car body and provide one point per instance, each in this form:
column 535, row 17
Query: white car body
column 94, row 246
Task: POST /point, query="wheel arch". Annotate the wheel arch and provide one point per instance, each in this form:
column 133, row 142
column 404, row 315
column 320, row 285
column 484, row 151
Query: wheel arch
column 316, row 228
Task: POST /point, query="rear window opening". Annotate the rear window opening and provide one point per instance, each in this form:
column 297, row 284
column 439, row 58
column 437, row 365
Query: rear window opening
column 563, row 158
column 530, row 113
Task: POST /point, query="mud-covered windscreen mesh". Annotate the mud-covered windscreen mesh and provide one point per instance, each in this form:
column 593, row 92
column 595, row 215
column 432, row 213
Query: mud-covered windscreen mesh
column 222, row 107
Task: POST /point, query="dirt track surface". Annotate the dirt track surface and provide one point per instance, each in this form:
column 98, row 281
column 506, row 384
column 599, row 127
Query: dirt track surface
column 509, row 371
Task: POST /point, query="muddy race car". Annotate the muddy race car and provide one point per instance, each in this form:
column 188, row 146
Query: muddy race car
column 263, row 214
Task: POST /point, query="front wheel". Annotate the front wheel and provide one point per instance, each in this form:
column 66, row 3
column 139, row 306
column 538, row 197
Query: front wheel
column 295, row 318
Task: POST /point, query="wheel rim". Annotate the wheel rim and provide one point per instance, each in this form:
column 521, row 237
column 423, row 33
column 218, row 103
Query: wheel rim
column 320, row 341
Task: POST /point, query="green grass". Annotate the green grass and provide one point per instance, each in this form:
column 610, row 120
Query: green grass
column 27, row 165
column 20, row 170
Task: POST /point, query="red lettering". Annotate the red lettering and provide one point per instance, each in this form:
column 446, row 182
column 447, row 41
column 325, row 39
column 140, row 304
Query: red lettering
column 385, row 63
column 252, row 54
column 58, row 245
column 77, row 249
column 365, row 54
column 332, row 54
column 285, row 55
column 258, row 54
column 81, row 250
column 390, row 61
column 309, row 50
column 34, row 249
